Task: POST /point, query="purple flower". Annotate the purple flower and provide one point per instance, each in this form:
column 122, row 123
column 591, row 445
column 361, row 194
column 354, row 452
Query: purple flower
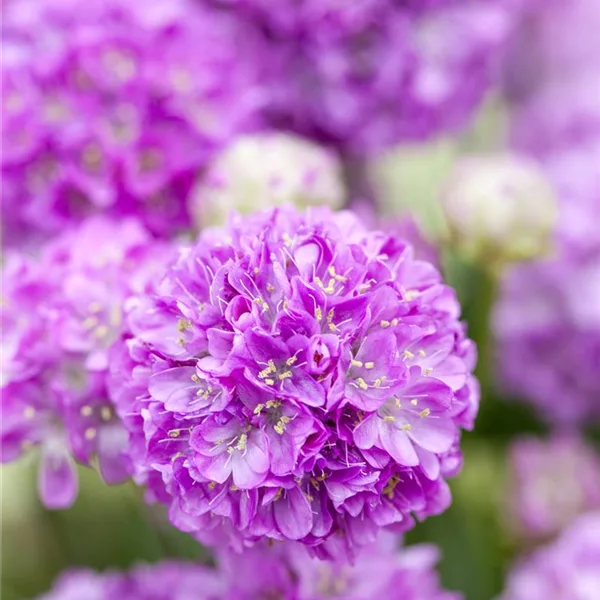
column 368, row 75
column 282, row 571
column 62, row 311
column 548, row 317
column 568, row 568
column 163, row 581
column 293, row 376
column 381, row 570
column 553, row 481
column 114, row 108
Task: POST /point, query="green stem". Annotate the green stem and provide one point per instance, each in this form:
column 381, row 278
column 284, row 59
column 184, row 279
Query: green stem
column 480, row 326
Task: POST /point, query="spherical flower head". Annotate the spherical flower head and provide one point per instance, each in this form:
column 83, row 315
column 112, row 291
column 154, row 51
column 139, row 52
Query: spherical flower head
column 547, row 319
column 114, row 109
column 168, row 580
column 270, row 169
column 304, row 377
column 369, row 75
column 498, row 209
column 552, row 482
column 380, row 570
column 61, row 312
column 568, row 568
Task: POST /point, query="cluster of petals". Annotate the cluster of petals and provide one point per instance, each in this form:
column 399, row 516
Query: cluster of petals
column 366, row 75
column 280, row 572
column 294, row 376
column 61, row 312
column 568, row 568
column 551, row 483
column 115, row 106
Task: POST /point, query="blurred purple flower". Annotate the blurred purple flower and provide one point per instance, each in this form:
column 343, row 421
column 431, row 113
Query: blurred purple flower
column 552, row 482
column 367, row 75
column 114, row 107
column 162, row 581
column 61, row 313
column 294, row 376
column 568, row 568
column 282, row 572
column 548, row 317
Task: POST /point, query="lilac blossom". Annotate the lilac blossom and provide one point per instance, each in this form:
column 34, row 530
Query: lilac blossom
column 568, row 568
column 114, row 107
column 552, row 482
column 61, row 312
column 293, row 376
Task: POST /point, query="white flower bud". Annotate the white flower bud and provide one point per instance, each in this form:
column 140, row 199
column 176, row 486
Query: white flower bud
column 498, row 209
column 261, row 170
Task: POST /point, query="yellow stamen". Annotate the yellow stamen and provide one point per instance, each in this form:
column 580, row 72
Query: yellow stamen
column 258, row 408
column 362, row 383
column 356, row 363
column 408, row 354
column 379, row 381
column 425, row 413
column 86, row 411
column 414, row 402
column 389, row 418
column 105, row 413
column 90, row 433
column 29, row 412
column 406, row 427
column 318, row 314
column 422, row 353
column 369, row 365
column 384, row 324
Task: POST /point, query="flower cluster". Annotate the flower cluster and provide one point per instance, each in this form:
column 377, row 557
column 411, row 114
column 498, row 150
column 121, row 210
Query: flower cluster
column 364, row 76
column 553, row 482
column 295, row 376
column 566, row 569
column 60, row 314
column 279, row 572
column 114, row 108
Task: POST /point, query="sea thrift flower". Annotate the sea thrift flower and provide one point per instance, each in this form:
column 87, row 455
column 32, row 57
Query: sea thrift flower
column 566, row 569
column 61, row 313
column 270, row 169
column 114, row 106
column 552, row 482
column 381, row 570
column 280, row 572
column 365, row 76
column 168, row 580
column 293, row 376
column 498, row 209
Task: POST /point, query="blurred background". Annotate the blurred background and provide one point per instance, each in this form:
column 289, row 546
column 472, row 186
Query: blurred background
column 520, row 245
